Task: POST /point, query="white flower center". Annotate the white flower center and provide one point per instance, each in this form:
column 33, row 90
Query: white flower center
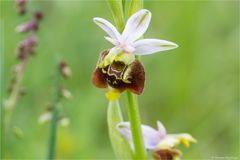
column 126, row 47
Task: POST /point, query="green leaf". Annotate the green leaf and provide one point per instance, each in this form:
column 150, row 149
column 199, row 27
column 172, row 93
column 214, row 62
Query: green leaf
column 117, row 12
column 120, row 146
column 135, row 5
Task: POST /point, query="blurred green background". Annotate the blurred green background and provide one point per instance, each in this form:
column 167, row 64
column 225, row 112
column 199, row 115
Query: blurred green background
column 193, row 89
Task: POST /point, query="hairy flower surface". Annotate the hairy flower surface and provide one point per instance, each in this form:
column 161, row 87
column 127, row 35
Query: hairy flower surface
column 118, row 67
column 162, row 144
column 119, row 75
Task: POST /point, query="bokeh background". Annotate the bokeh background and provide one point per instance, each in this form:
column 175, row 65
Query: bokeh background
column 191, row 89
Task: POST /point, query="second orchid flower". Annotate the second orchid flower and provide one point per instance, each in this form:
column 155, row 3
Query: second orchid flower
column 163, row 145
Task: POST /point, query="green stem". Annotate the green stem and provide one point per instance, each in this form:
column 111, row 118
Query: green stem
column 135, row 121
column 54, row 120
column 133, row 110
column 1, row 89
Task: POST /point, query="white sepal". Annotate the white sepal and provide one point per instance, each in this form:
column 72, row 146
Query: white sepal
column 107, row 27
column 150, row 136
column 150, row 46
column 136, row 26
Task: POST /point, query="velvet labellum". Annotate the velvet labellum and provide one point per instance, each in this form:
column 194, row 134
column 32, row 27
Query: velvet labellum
column 167, row 154
column 119, row 74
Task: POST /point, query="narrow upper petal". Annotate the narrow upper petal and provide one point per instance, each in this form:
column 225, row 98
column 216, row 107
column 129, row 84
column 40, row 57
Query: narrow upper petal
column 150, row 135
column 107, row 27
column 150, row 46
column 112, row 40
column 136, row 26
column 161, row 129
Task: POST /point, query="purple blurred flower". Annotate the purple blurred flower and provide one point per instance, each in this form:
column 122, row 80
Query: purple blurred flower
column 26, row 47
column 28, row 26
column 21, row 4
column 157, row 141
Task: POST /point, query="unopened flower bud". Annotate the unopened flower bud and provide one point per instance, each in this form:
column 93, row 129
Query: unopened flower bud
column 8, row 104
column 21, row 4
column 20, row 53
column 12, row 83
column 22, row 92
column 17, row 68
column 38, row 16
column 65, row 69
column 26, row 47
column 65, row 93
column 64, row 121
column 49, row 107
column 45, row 117
column 21, row 10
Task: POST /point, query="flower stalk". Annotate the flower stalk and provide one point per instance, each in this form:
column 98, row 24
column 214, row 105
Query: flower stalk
column 133, row 110
column 53, row 113
column 16, row 88
column 1, row 88
column 54, row 119
column 135, row 121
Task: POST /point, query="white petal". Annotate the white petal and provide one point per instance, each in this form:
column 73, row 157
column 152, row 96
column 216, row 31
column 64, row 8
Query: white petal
column 136, row 26
column 172, row 140
column 161, row 129
column 168, row 142
column 107, row 27
column 124, row 129
column 128, row 48
column 112, row 40
column 150, row 135
column 150, row 46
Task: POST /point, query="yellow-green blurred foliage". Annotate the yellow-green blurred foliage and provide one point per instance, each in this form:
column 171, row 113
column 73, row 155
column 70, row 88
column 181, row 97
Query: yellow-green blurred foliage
column 191, row 89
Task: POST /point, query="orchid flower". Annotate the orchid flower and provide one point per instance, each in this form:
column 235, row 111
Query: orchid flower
column 128, row 41
column 118, row 67
column 158, row 141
